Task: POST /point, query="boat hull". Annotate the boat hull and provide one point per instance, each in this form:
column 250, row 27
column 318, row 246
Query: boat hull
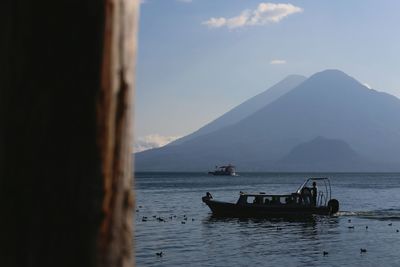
column 222, row 173
column 225, row 209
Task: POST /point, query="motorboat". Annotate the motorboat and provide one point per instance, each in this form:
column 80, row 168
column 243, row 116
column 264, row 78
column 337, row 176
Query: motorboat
column 227, row 170
column 307, row 200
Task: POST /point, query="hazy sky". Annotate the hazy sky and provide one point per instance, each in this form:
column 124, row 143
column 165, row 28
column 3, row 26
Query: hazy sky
column 197, row 59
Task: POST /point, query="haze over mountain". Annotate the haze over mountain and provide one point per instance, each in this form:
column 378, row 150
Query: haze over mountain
column 329, row 105
column 247, row 108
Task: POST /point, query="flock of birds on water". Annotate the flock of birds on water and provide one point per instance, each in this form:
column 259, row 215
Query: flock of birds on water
column 185, row 218
column 351, row 227
column 161, row 219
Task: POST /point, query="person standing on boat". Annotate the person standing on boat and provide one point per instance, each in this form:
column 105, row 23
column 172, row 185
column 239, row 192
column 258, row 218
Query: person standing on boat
column 306, row 196
column 314, row 193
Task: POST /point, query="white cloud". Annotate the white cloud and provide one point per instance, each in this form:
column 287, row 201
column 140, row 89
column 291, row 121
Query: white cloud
column 215, row 22
column 264, row 14
column 152, row 141
column 185, row 1
column 277, row 62
column 367, row 85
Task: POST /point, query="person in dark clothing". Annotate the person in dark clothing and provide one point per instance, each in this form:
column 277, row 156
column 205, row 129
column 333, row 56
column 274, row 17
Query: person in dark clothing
column 314, row 193
column 306, row 195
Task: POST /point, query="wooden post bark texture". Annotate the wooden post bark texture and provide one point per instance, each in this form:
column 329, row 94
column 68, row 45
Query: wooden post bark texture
column 66, row 82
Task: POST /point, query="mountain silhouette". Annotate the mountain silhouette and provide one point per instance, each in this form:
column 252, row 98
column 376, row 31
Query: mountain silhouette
column 329, row 104
column 246, row 108
column 322, row 154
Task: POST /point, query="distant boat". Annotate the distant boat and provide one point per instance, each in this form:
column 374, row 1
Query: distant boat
column 227, row 170
column 300, row 204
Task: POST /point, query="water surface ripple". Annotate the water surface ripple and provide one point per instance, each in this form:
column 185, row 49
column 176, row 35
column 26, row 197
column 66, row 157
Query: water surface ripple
column 181, row 226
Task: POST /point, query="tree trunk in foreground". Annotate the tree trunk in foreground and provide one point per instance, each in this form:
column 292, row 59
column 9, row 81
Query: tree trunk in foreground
column 66, row 84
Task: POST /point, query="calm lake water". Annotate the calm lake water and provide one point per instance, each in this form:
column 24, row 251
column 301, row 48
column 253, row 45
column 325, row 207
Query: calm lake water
column 366, row 199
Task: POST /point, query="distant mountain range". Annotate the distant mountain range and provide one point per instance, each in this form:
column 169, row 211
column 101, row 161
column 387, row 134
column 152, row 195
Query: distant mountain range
column 328, row 122
column 322, row 154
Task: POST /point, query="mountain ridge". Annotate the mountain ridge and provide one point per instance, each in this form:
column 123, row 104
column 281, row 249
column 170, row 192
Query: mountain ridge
column 247, row 107
column 319, row 154
column 329, row 103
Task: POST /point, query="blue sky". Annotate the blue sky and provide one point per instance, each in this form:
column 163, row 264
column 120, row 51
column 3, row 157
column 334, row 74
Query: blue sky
column 197, row 59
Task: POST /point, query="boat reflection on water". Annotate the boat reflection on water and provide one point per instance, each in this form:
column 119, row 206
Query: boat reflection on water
column 289, row 231
column 307, row 220
column 306, row 228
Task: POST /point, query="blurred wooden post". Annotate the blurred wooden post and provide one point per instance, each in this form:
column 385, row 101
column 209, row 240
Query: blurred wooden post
column 66, row 93
column 114, row 120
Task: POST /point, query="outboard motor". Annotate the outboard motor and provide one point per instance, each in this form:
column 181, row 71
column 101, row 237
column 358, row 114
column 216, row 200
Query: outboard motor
column 333, row 204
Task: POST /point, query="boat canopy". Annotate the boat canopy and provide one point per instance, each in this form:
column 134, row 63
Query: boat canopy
column 324, row 195
column 326, row 183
